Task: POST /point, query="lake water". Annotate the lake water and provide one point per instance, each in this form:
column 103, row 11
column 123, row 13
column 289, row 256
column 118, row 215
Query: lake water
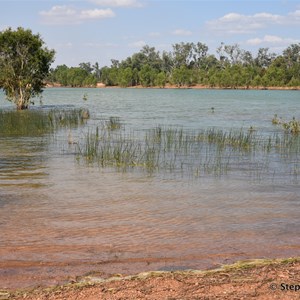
column 60, row 217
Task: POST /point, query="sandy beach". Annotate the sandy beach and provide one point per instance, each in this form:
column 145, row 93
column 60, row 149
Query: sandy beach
column 257, row 279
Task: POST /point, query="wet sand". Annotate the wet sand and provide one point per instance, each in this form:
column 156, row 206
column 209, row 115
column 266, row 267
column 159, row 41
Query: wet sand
column 260, row 279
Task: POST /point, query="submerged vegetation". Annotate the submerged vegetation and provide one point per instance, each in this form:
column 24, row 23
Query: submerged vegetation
column 39, row 122
column 191, row 153
column 172, row 150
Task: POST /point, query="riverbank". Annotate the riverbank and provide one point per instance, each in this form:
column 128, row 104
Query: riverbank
column 259, row 279
column 198, row 86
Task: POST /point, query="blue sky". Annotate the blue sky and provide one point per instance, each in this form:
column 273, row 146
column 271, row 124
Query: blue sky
column 101, row 30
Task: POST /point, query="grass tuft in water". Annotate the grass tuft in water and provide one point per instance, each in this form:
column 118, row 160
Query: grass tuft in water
column 113, row 123
column 292, row 126
column 39, row 122
column 205, row 152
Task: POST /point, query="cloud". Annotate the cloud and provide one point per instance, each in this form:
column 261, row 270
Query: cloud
column 234, row 23
column 63, row 14
column 182, row 32
column 295, row 15
column 96, row 14
column 138, row 44
column 272, row 40
column 117, row 3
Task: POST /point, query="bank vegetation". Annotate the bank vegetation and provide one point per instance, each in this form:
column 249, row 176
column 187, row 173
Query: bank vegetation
column 188, row 65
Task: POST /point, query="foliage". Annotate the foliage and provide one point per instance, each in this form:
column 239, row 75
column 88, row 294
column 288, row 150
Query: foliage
column 24, row 64
column 189, row 64
column 81, row 76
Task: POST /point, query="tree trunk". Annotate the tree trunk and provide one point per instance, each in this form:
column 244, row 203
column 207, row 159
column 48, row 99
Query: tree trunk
column 22, row 106
column 22, row 103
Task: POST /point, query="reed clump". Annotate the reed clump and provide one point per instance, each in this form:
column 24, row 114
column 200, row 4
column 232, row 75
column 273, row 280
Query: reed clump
column 292, row 126
column 192, row 153
column 113, row 123
column 38, row 122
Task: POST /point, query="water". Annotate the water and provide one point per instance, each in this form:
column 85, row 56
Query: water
column 60, row 218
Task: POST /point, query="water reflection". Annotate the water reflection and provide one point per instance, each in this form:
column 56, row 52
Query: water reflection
column 22, row 162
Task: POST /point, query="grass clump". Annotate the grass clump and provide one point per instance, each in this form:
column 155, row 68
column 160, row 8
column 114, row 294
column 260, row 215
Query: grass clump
column 39, row 122
column 113, row 123
column 193, row 153
column 292, row 126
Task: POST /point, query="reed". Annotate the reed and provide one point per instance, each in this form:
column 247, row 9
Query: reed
column 38, row 122
column 113, row 123
column 292, row 126
column 193, row 153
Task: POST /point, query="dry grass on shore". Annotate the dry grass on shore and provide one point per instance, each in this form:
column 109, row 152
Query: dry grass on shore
column 258, row 279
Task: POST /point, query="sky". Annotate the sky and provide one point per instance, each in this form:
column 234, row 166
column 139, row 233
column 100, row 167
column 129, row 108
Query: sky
column 101, row 30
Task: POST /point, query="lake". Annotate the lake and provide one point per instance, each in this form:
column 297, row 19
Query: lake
column 62, row 217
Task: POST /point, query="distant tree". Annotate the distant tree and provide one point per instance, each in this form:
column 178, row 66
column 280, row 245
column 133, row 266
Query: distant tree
column 160, row 79
column 167, row 62
column 199, row 54
column 60, row 75
column 74, row 76
column 264, row 58
column 292, row 55
column 96, row 70
column 125, row 77
column 183, row 54
column 182, row 76
column 24, row 64
column 87, row 67
column 147, row 76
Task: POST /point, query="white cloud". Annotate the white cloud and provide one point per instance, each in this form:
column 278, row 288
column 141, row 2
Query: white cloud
column 138, row 44
column 182, row 32
column 117, row 3
column 234, row 23
column 272, row 40
column 64, row 14
column 96, row 14
column 295, row 15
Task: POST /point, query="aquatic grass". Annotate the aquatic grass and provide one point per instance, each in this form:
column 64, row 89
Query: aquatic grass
column 113, row 123
column 39, row 122
column 292, row 126
column 194, row 153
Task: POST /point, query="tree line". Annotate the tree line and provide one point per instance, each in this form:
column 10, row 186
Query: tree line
column 189, row 64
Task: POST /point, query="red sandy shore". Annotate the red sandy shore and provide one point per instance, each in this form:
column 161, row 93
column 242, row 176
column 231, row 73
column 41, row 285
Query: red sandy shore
column 198, row 86
column 273, row 279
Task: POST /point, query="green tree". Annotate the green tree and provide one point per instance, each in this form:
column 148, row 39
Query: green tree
column 183, row 54
column 125, row 77
column 182, row 76
column 147, row 76
column 24, row 64
column 160, row 79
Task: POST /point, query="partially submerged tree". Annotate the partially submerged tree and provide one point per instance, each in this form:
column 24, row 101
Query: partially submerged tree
column 24, row 64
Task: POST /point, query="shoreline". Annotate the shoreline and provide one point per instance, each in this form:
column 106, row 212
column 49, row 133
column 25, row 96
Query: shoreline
column 260, row 278
column 195, row 87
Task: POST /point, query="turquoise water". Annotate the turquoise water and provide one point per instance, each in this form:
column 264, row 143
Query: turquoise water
column 62, row 217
